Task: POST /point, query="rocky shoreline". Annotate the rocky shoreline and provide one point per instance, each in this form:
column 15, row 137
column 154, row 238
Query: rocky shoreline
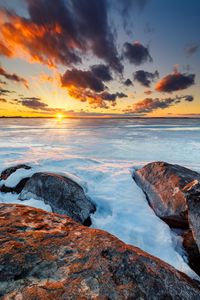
column 49, row 255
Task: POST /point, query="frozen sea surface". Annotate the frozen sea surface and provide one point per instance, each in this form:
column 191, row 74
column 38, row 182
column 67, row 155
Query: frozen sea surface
column 101, row 155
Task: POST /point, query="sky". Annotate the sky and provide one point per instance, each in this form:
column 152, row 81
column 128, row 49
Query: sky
column 100, row 58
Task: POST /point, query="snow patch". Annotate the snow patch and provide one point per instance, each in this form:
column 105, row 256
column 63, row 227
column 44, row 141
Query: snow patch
column 16, row 177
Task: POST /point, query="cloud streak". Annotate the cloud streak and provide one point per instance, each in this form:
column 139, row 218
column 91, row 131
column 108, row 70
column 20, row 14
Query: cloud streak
column 4, row 92
column 32, row 103
column 192, row 49
column 13, row 77
column 149, row 105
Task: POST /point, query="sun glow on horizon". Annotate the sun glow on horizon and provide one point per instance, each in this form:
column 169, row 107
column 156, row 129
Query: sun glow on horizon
column 59, row 116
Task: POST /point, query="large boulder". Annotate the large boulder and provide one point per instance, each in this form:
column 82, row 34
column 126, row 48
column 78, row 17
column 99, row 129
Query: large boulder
column 174, row 194
column 63, row 195
column 167, row 188
column 49, row 256
column 5, row 174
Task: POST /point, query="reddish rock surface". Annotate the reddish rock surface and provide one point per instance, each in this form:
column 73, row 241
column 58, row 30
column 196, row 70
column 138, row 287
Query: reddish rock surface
column 174, row 194
column 164, row 186
column 49, row 256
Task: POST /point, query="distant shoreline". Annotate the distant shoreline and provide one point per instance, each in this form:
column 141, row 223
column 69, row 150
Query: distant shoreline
column 94, row 117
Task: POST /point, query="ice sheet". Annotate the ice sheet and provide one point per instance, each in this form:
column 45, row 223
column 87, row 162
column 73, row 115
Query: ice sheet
column 100, row 155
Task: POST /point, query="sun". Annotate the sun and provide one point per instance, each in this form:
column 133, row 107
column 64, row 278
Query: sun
column 59, row 116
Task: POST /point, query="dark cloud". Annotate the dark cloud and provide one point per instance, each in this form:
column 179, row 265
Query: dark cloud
column 175, row 82
column 60, row 32
column 102, row 72
column 96, row 100
column 82, row 79
column 145, row 78
column 121, row 95
column 190, row 50
column 112, row 97
column 89, row 86
column 4, row 92
column 149, row 105
column 13, row 77
column 188, row 98
column 33, row 103
column 92, row 23
column 37, row 105
column 128, row 82
column 136, row 53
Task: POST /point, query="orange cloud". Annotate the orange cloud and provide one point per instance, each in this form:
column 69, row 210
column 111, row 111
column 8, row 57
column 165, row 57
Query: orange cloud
column 95, row 100
column 92, row 98
column 59, row 32
column 36, row 43
column 175, row 82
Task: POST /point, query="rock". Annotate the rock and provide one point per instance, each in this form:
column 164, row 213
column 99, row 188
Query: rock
column 192, row 192
column 164, row 185
column 49, row 256
column 174, row 194
column 192, row 250
column 7, row 172
column 62, row 194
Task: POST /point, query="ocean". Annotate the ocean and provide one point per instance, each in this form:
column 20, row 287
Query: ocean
column 101, row 155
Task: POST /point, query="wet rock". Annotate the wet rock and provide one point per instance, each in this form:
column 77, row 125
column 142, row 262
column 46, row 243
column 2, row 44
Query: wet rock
column 192, row 250
column 49, row 256
column 63, row 195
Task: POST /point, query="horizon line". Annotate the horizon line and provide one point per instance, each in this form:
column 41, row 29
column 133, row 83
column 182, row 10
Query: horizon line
column 98, row 117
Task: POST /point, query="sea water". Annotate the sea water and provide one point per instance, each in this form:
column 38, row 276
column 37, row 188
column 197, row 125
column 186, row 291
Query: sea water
column 101, row 155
